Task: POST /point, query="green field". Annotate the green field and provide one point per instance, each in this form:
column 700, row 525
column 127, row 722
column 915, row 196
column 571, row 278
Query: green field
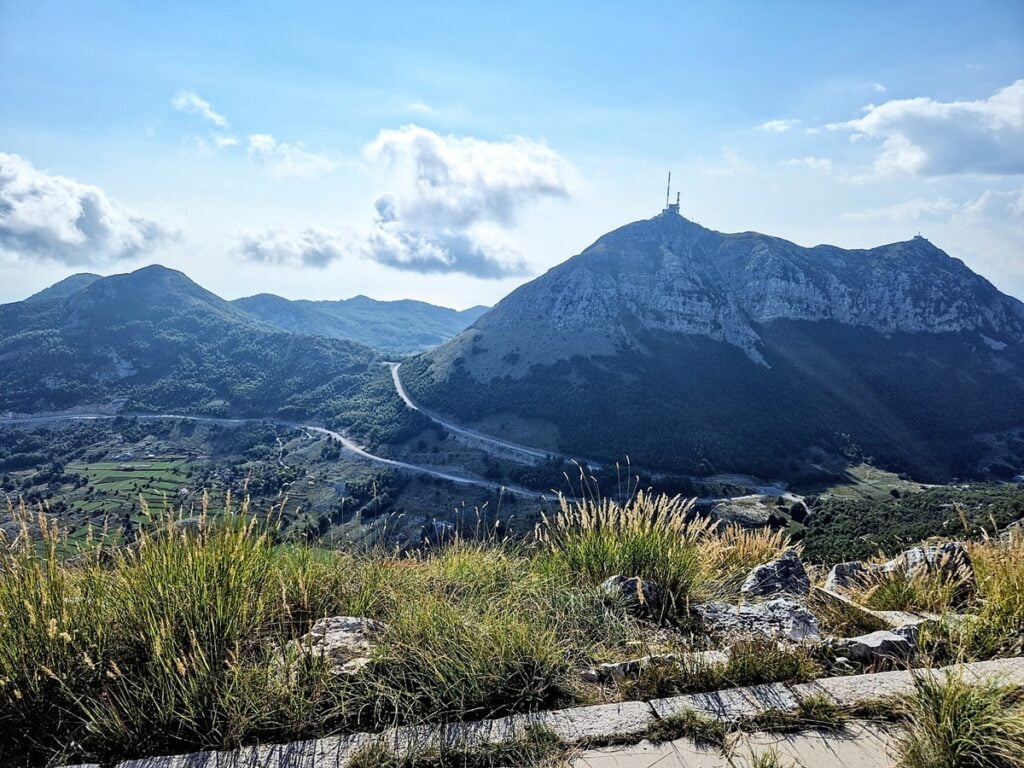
column 121, row 484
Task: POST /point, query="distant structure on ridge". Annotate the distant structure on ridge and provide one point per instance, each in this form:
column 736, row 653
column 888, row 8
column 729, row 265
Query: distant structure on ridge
column 670, row 207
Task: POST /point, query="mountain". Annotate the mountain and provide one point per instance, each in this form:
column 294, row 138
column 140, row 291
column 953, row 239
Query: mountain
column 393, row 327
column 66, row 287
column 157, row 341
column 696, row 351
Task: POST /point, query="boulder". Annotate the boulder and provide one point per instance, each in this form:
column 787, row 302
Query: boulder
column 642, row 597
column 950, row 559
column 345, row 643
column 778, row 619
column 874, row 646
column 847, row 575
column 748, row 511
column 785, row 575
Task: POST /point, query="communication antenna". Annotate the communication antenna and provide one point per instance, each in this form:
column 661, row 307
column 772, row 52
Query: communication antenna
column 669, row 206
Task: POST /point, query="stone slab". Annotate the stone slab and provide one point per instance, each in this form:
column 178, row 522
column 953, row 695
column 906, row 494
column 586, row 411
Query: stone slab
column 847, row 691
column 729, row 704
column 595, row 722
column 858, row 745
column 607, row 720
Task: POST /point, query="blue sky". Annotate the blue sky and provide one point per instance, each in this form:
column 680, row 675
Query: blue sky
column 450, row 151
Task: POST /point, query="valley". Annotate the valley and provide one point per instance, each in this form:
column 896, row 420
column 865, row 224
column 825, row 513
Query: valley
column 778, row 403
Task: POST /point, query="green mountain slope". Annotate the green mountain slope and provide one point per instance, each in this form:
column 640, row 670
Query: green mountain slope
column 393, row 327
column 158, row 341
column 701, row 352
column 66, row 287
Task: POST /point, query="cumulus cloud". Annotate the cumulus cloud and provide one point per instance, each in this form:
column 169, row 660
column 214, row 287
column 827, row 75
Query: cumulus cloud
column 190, row 101
column 309, row 247
column 929, row 137
column 778, row 126
column 282, row 158
column 452, row 197
column 392, row 244
column 451, row 206
column 49, row 217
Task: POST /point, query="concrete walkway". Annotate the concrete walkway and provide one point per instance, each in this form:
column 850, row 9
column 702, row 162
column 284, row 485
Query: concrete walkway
column 858, row 745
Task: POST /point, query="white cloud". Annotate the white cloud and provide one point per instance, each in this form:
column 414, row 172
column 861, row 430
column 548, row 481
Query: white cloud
column 310, row 247
column 486, row 255
column 778, row 126
column 451, row 205
column 190, row 101
column 458, row 181
column 929, row 137
column 286, row 159
column 451, row 197
column 54, row 218
column 877, row 87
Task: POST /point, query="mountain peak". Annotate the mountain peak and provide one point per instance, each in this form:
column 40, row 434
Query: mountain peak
column 66, row 287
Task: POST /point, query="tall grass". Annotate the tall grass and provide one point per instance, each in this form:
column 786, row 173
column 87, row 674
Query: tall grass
column 951, row 723
column 180, row 641
column 655, row 537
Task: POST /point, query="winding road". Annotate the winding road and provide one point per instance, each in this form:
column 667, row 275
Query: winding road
column 347, row 443
column 479, row 437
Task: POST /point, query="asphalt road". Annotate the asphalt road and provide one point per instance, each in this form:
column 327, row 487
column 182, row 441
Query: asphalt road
column 347, row 443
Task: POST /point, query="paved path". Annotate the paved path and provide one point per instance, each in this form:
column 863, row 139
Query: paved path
column 858, row 745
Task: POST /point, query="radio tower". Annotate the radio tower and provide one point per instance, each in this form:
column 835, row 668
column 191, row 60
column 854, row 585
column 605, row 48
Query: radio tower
column 670, row 207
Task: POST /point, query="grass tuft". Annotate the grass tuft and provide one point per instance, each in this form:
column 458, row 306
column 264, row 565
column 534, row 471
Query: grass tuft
column 951, row 723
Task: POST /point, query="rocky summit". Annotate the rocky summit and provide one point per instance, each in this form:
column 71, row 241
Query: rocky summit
column 705, row 351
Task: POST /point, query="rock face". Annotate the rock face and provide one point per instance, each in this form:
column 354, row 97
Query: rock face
column 642, row 597
column 344, row 642
column 717, row 334
column 785, row 575
column 779, row 619
column 670, row 274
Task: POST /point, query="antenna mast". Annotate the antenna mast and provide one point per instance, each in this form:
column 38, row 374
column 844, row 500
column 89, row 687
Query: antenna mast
column 668, row 188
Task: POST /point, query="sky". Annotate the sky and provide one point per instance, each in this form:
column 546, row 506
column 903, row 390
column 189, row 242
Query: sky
column 449, row 152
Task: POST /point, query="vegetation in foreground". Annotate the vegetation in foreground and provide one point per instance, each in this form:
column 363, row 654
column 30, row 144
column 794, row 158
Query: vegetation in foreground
column 176, row 642
column 952, row 723
column 181, row 641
